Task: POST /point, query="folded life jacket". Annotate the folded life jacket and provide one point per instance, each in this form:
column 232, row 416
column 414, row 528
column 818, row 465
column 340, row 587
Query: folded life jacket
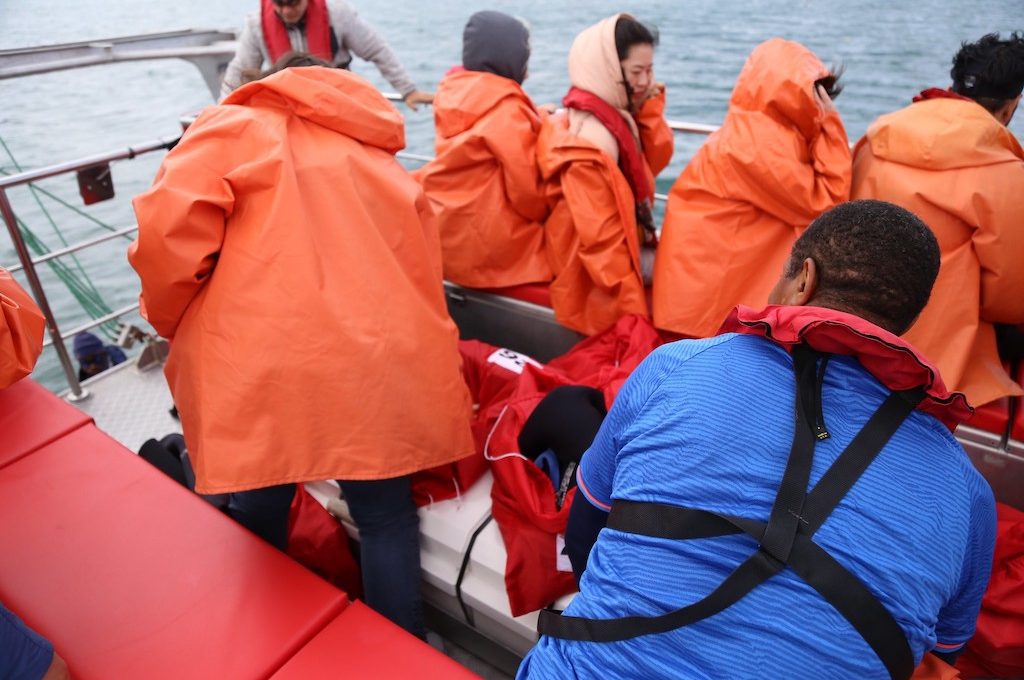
column 317, row 541
column 531, row 516
column 786, row 540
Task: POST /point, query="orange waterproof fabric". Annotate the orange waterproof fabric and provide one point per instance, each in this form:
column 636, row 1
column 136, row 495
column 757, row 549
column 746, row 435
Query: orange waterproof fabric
column 297, row 267
column 777, row 162
column 484, row 184
column 961, row 171
column 591, row 235
column 21, row 331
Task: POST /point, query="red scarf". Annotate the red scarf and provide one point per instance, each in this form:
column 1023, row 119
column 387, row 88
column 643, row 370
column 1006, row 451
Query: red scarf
column 939, row 93
column 318, row 31
column 893, row 361
column 631, row 160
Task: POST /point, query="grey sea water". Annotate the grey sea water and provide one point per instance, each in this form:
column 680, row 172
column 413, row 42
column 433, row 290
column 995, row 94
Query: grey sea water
column 890, row 51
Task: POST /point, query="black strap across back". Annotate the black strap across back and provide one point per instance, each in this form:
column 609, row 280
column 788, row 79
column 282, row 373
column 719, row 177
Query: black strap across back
column 786, row 540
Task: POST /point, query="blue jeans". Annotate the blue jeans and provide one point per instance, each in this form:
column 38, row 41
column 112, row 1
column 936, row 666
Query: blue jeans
column 389, row 536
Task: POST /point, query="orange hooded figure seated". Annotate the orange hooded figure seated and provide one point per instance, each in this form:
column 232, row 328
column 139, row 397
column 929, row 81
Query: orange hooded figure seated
column 599, row 160
column 780, row 159
column 297, row 267
column 484, row 184
column 950, row 158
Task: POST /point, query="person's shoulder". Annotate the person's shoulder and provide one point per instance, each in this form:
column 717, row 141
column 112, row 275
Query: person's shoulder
column 683, row 351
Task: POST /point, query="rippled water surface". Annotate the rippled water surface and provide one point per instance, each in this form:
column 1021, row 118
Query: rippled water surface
column 890, row 50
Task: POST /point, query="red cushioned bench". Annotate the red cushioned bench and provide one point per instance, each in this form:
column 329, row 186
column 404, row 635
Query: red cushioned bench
column 360, row 643
column 31, row 417
column 131, row 576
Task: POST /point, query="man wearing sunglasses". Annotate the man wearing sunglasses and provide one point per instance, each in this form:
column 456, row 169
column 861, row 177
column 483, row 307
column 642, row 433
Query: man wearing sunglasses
column 329, row 29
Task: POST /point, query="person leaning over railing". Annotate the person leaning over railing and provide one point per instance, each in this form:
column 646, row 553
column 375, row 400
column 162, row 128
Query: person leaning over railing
column 780, row 158
column 328, row 29
column 785, row 499
column 599, row 160
column 484, row 183
column 23, row 652
column 950, row 158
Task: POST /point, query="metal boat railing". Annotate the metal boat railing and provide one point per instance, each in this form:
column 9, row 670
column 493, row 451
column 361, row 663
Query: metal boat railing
column 28, row 264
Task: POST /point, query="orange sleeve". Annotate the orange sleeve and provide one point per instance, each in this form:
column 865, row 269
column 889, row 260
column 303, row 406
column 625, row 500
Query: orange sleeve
column 21, row 331
column 833, row 166
column 999, row 243
column 182, row 219
column 768, row 161
column 656, row 136
column 512, row 137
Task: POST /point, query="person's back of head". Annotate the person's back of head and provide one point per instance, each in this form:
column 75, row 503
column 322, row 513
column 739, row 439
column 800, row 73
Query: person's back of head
column 869, row 258
column 287, row 60
column 991, row 72
column 496, row 43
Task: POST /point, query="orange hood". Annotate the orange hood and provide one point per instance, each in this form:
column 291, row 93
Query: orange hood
column 464, row 97
column 336, row 99
column 778, row 81
column 943, row 134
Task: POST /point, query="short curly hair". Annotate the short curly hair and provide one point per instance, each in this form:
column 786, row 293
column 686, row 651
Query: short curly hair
column 990, row 71
column 874, row 259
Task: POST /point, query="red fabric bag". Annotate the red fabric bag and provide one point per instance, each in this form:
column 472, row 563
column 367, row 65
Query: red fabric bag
column 317, row 541
column 523, row 501
column 997, row 648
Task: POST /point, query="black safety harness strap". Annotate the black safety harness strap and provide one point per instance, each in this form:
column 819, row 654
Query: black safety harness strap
column 785, row 540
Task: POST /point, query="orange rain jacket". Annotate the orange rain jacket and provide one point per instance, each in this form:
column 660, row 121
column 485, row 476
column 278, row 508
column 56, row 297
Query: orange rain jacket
column 297, row 267
column 962, row 172
column 777, row 162
column 21, row 331
column 591, row 236
column 484, row 184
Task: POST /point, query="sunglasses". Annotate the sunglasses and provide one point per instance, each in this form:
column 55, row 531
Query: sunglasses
column 287, row 3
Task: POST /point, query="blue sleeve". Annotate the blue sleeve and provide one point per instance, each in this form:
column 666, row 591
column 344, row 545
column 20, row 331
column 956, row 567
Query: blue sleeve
column 24, row 654
column 958, row 617
column 597, row 467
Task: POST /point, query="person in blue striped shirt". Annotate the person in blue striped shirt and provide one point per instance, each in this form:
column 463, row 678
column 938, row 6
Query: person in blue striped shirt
column 700, row 511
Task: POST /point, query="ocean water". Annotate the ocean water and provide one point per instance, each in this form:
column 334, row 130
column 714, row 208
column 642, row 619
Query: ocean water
column 890, row 52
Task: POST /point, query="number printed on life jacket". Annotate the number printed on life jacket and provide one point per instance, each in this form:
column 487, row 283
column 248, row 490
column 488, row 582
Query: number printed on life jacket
column 510, row 360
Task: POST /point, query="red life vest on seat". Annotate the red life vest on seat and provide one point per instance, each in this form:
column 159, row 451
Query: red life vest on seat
column 523, row 501
column 318, row 31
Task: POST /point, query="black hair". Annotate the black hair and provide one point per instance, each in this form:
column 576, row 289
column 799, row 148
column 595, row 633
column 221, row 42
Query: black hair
column 287, row 60
column 629, row 32
column 874, row 259
column 831, row 82
column 990, row 71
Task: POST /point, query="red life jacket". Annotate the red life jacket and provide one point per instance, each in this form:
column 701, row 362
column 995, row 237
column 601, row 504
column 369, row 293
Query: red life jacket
column 889, row 358
column 523, row 501
column 318, row 31
column 317, row 541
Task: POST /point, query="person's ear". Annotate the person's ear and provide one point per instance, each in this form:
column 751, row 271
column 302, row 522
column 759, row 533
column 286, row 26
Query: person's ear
column 1005, row 113
column 803, row 285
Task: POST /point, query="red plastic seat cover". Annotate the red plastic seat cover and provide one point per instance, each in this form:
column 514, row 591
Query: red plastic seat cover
column 31, row 417
column 360, row 643
column 132, row 576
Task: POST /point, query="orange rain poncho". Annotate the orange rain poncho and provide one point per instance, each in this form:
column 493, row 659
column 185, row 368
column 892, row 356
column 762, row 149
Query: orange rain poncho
column 484, row 184
column 591, row 236
column 962, row 172
column 777, row 162
column 296, row 266
column 21, row 331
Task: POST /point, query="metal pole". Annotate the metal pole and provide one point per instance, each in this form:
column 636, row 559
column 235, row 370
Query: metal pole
column 77, row 392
